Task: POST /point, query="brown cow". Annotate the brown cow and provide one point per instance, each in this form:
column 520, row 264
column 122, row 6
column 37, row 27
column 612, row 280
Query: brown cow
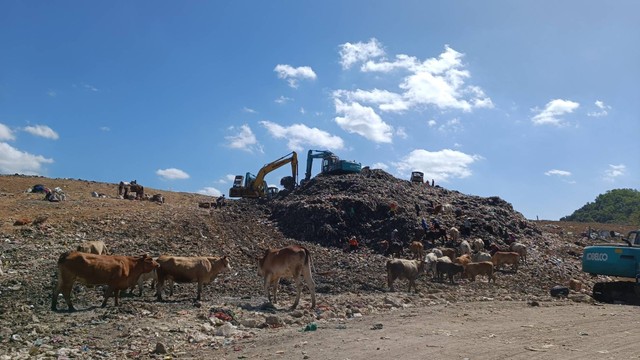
column 451, row 253
column 509, row 258
column 404, row 269
column 494, row 248
column 472, row 270
column 462, row 259
column 93, row 247
column 291, row 261
column 417, row 249
column 117, row 272
column 180, row 269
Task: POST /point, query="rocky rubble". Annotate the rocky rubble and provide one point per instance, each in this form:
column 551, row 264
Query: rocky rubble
column 321, row 215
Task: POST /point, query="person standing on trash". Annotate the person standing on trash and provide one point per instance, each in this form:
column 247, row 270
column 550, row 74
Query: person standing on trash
column 435, row 223
column 393, row 207
column 220, row 201
column 394, row 236
column 417, row 206
column 425, row 226
column 353, row 244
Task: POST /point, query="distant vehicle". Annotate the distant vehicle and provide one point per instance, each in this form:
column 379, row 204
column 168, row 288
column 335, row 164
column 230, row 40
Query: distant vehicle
column 615, row 260
column 331, row 164
column 256, row 187
column 417, row 177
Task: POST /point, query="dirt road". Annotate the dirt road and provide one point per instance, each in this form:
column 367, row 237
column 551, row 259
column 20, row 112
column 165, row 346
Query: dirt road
column 479, row 330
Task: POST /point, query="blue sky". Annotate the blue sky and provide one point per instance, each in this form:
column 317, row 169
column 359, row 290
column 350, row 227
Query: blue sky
column 536, row 102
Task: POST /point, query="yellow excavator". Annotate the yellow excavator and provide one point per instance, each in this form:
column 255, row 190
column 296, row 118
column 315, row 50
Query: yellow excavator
column 255, row 186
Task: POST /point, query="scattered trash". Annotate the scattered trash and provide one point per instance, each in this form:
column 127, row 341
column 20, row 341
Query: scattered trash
column 377, row 327
column 160, row 349
column 559, row 291
column 311, row 327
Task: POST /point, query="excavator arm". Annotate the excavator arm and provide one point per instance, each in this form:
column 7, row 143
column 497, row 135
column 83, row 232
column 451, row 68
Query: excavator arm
column 292, row 158
column 320, row 154
column 256, row 186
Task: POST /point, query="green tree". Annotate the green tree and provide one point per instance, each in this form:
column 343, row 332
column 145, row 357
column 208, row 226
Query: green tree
column 618, row 206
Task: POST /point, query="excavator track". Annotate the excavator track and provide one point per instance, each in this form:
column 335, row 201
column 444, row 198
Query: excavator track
column 616, row 292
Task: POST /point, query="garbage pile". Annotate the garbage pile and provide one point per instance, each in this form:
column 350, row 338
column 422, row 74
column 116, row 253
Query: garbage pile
column 328, row 210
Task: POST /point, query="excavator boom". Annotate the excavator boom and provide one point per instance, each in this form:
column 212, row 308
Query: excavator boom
column 255, row 187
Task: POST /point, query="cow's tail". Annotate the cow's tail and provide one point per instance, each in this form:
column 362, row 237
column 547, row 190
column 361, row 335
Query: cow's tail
column 63, row 257
column 307, row 259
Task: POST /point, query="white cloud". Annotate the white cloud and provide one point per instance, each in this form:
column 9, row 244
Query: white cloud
column 453, row 125
column 42, row 131
column 553, row 111
column 90, row 87
column 557, row 173
column 14, row 161
column 105, row 129
column 401, row 133
column 386, row 100
column 293, row 75
column 283, row 100
column 362, row 120
column 210, row 191
column 380, row 165
column 226, row 179
column 438, row 82
column 249, row 110
column 359, row 52
column 432, row 123
column 300, row 134
column 6, row 133
column 603, row 109
column 402, row 62
column 439, row 165
column 172, row 174
column 52, row 93
column 614, row 171
column 245, row 140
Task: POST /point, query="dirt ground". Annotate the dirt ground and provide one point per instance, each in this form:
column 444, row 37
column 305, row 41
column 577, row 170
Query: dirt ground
column 479, row 330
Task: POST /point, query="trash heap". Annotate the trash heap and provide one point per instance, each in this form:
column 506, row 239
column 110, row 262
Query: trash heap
column 328, row 209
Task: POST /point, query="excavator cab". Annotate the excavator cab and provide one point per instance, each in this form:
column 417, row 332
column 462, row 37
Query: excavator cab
column 417, row 177
column 272, row 192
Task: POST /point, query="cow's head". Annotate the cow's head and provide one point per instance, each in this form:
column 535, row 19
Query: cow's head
column 225, row 263
column 260, row 260
column 148, row 262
